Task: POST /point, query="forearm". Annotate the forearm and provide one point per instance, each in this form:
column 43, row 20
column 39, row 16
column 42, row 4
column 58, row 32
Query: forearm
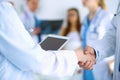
column 103, row 48
column 106, row 46
column 19, row 57
column 59, row 63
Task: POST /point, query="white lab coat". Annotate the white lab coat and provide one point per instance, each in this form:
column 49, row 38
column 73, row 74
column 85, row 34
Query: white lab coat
column 99, row 25
column 109, row 45
column 20, row 57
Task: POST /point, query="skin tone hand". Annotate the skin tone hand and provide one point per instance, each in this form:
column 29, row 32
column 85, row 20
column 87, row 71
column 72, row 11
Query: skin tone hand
column 85, row 60
column 80, row 55
column 36, row 31
column 88, row 65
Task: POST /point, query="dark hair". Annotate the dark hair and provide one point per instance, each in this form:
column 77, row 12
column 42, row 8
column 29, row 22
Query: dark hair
column 78, row 23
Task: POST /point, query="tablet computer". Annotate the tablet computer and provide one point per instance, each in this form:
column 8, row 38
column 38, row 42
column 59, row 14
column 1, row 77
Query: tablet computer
column 54, row 42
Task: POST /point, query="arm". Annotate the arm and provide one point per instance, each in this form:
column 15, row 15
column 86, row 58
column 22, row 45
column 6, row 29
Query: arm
column 107, row 45
column 102, row 48
column 19, row 49
column 59, row 63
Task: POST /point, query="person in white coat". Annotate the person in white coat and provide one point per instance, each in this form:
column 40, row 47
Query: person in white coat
column 95, row 26
column 20, row 57
column 29, row 19
column 109, row 45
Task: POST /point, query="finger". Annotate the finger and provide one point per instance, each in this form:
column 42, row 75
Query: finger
column 90, row 66
column 81, row 64
column 87, row 64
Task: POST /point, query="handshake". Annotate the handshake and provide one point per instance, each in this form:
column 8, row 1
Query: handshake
column 86, row 58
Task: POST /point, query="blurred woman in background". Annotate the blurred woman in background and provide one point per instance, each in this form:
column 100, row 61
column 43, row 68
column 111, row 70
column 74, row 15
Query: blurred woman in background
column 72, row 29
column 95, row 25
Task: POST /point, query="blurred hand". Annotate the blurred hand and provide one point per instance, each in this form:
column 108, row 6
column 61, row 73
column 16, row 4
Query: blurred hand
column 80, row 55
column 36, row 31
column 85, row 60
column 89, row 63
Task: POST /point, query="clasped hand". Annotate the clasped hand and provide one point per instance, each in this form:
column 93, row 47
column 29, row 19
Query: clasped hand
column 86, row 58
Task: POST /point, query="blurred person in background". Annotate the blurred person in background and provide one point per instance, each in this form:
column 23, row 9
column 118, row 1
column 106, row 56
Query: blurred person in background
column 94, row 28
column 72, row 29
column 30, row 21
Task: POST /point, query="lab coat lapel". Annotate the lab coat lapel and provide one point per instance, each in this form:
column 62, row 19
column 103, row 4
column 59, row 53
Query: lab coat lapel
column 116, row 23
column 118, row 50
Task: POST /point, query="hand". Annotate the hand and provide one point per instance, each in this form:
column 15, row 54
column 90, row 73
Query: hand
column 80, row 55
column 36, row 31
column 89, row 64
column 84, row 59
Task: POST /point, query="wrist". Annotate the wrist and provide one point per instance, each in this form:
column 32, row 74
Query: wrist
column 77, row 54
column 80, row 55
column 91, row 51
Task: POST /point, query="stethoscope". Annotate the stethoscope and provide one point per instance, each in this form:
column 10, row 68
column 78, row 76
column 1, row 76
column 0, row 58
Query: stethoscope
column 94, row 31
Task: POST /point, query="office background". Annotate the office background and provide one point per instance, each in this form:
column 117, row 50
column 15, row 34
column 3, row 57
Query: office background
column 56, row 9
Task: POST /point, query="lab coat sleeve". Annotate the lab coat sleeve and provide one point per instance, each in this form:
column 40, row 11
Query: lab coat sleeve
column 59, row 63
column 106, row 46
column 19, row 49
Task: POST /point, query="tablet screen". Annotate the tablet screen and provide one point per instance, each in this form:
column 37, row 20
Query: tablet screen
column 53, row 43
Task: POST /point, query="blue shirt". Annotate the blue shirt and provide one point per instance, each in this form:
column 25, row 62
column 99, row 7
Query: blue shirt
column 88, row 74
column 84, row 36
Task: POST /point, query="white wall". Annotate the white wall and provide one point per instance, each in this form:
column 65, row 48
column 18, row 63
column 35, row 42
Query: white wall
column 56, row 9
